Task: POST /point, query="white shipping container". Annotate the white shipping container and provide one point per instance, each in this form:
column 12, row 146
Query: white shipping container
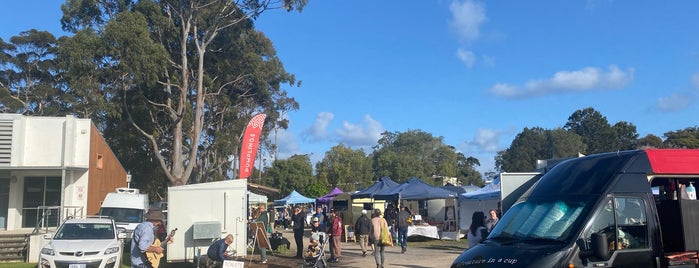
column 206, row 206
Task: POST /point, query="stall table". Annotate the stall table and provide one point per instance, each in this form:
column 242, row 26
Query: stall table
column 423, row 230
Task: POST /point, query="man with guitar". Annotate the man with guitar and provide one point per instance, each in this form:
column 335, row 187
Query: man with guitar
column 143, row 238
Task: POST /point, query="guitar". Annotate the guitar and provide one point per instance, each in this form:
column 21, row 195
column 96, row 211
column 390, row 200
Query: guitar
column 154, row 258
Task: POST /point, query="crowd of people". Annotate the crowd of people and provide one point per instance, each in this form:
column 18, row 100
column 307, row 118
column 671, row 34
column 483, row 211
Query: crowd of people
column 374, row 230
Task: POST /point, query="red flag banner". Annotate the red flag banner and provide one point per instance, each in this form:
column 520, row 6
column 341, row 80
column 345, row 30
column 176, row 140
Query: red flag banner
column 251, row 140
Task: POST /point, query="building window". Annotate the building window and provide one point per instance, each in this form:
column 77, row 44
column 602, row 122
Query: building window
column 100, row 161
column 42, row 198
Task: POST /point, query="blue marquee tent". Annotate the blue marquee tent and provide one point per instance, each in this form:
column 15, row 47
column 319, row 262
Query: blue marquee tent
column 384, row 185
column 415, row 189
column 293, row 198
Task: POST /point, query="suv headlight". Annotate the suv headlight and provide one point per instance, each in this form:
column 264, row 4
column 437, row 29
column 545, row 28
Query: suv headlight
column 111, row 250
column 47, row 251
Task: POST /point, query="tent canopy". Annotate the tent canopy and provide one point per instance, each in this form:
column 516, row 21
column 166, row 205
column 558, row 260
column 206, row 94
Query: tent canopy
column 254, row 198
column 329, row 197
column 415, row 189
column 384, row 185
column 489, row 191
column 293, row 198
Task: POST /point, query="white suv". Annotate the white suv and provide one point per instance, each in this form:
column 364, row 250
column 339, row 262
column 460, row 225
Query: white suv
column 84, row 243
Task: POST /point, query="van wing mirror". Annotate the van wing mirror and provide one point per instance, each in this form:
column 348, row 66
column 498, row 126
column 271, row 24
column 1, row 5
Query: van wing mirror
column 599, row 246
column 48, row 236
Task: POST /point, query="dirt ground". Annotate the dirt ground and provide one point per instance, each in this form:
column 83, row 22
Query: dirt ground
column 421, row 253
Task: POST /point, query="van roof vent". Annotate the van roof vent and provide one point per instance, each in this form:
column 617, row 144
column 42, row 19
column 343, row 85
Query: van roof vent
column 127, row 191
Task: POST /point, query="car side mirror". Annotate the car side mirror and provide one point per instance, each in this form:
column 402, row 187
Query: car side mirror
column 121, row 233
column 48, row 236
column 598, row 244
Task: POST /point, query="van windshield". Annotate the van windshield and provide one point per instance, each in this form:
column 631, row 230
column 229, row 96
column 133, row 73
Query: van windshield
column 123, row 215
column 541, row 220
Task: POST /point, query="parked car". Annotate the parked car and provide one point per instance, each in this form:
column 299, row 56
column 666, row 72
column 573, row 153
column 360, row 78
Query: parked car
column 84, row 243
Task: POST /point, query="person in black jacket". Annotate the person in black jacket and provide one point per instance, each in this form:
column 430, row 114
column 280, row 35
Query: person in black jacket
column 362, row 229
column 402, row 224
column 299, row 220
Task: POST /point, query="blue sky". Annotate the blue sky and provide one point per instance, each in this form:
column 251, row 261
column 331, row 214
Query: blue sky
column 474, row 72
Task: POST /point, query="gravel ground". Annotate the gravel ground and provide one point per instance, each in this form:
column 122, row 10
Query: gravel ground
column 421, row 253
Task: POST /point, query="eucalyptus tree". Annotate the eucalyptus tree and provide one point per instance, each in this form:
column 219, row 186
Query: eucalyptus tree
column 28, row 81
column 188, row 75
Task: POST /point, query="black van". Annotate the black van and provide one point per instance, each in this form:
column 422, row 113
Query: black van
column 621, row 209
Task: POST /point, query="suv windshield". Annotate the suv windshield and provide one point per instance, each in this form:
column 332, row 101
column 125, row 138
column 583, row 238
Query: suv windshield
column 127, row 215
column 85, row 231
column 541, row 220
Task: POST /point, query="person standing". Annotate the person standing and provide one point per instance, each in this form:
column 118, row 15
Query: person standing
column 298, row 219
column 321, row 217
column 263, row 217
column 402, row 223
column 378, row 224
column 143, row 238
column 492, row 220
column 336, row 237
column 362, row 229
column 477, row 232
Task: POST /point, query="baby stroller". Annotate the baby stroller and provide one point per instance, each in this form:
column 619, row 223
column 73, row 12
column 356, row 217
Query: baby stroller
column 315, row 254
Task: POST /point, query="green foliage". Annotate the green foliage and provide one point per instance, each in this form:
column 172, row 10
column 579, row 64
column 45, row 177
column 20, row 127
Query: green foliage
column 535, row 144
column 345, row 168
column 593, row 128
column 294, row 173
column 416, row 153
column 687, row 138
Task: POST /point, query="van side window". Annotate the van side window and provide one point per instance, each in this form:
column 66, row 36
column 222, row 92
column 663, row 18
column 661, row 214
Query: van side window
column 632, row 223
column 623, row 221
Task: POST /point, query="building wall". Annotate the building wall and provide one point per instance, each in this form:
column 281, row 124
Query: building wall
column 105, row 175
column 65, row 147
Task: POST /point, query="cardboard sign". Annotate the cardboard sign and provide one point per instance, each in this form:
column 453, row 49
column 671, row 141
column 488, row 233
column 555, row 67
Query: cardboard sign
column 233, row 264
column 258, row 229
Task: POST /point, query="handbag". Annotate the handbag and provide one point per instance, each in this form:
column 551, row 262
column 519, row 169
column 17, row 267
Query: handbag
column 385, row 236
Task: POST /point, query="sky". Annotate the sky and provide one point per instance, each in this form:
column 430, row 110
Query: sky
column 475, row 73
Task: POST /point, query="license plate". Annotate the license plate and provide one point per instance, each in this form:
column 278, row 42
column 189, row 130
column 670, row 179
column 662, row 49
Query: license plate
column 76, row 265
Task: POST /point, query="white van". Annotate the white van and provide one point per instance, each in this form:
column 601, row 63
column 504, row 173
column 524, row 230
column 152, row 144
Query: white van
column 127, row 206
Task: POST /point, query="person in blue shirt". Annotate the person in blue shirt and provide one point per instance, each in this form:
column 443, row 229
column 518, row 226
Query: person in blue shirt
column 143, row 238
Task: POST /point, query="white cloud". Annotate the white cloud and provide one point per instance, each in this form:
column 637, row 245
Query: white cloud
column 675, row 102
column 467, row 17
column 586, row 79
column 488, row 60
column 286, row 144
column 318, row 131
column 467, row 57
column 695, row 80
column 485, row 141
column 358, row 135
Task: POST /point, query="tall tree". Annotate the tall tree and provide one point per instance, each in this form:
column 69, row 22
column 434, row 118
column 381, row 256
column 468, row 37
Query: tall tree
column 593, row 128
column 345, row 168
column 28, row 75
column 626, row 136
column 180, row 79
column 294, row 173
column 650, row 141
column 414, row 153
column 687, row 138
column 535, row 144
